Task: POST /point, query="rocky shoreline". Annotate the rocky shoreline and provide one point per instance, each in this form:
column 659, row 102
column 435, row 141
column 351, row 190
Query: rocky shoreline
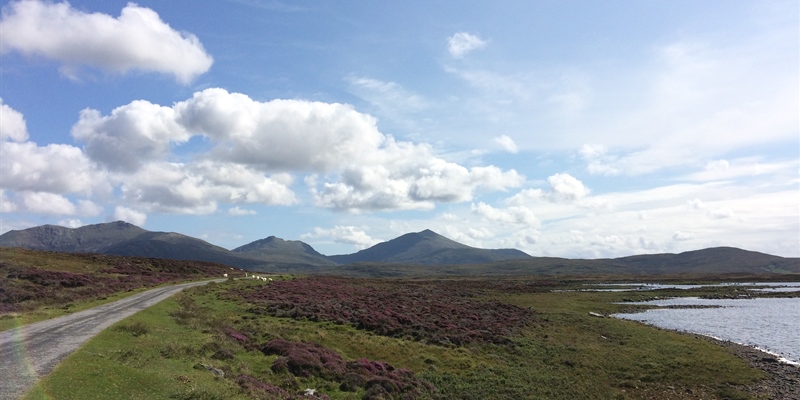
column 782, row 380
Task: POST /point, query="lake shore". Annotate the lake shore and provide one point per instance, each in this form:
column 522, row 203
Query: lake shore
column 782, row 380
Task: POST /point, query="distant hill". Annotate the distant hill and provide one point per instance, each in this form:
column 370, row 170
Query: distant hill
column 711, row 260
column 706, row 263
column 86, row 239
column 423, row 253
column 427, row 248
column 275, row 249
column 124, row 239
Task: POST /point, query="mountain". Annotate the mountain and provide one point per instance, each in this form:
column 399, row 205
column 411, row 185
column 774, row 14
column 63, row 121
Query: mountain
column 124, row 239
column 427, row 248
column 275, row 249
column 420, row 254
column 710, row 264
column 86, row 239
column 728, row 259
column 177, row 247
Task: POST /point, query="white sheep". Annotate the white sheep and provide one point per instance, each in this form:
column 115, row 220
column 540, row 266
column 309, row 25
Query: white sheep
column 225, row 275
column 270, row 279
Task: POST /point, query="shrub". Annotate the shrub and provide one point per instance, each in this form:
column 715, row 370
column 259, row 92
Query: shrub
column 442, row 313
column 379, row 379
column 136, row 329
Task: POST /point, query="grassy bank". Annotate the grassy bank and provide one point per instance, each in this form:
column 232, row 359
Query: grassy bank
column 207, row 343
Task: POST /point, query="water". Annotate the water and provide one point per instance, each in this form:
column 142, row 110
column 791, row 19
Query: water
column 770, row 324
column 756, row 286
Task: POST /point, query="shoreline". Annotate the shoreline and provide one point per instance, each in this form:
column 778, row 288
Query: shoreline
column 782, row 379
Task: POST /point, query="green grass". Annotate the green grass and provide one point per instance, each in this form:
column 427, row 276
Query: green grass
column 566, row 354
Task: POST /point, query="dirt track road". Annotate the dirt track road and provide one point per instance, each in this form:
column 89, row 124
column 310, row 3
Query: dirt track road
column 30, row 352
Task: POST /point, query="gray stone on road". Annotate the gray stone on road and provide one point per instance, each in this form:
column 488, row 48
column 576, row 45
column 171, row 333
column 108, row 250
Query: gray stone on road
column 30, row 352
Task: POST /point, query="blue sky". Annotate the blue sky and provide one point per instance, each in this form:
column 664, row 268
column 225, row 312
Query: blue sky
column 572, row 129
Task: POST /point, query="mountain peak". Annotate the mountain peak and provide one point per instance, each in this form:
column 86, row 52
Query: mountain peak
column 274, row 248
column 426, row 247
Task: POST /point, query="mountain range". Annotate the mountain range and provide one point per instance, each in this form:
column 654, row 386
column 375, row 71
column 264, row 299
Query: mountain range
column 414, row 254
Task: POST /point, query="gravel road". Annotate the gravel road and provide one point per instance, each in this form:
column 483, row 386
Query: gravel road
column 30, row 352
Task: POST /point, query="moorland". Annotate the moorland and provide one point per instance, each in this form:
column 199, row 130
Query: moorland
column 439, row 337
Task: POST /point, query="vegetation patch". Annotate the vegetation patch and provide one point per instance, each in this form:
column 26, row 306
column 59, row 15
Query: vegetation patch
column 207, row 343
column 445, row 313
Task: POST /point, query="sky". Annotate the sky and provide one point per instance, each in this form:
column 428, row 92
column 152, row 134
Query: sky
column 578, row 129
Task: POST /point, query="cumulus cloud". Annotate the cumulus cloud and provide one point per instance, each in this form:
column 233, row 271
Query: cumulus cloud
column 55, row 168
column 131, row 136
column 506, row 143
column 47, row 203
column 198, row 188
column 345, row 234
column 567, row 187
column 137, row 40
column 122, row 213
column 415, row 182
column 252, row 152
column 279, row 134
column 355, row 167
column 463, row 43
column 12, row 124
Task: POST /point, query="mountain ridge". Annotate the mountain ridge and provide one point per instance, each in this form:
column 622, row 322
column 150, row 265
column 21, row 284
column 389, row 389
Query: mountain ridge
column 424, row 253
column 427, row 248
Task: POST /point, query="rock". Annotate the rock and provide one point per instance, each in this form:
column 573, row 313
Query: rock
column 598, row 315
column 214, row 371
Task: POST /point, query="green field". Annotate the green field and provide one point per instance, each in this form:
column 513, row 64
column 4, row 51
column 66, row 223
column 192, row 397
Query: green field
column 171, row 350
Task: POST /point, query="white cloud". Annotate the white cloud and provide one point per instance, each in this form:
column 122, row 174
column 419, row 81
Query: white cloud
column 280, row 134
column 463, row 43
column 510, row 215
column 199, row 187
column 56, row 168
column 131, row 136
column 389, row 97
column 355, row 166
column 238, row 211
column 137, row 40
column 70, row 223
column 721, row 170
column 682, row 236
column 47, row 203
column 506, row 143
column 345, row 234
column 122, row 213
column 12, row 124
column 417, row 181
column 6, row 205
column 566, row 187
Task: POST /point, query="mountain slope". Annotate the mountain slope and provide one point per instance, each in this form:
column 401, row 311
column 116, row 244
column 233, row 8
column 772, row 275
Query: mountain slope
column 177, row 247
column 86, row 239
column 427, row 248
column 728, row 259
column 275, row 249
column 124, row 239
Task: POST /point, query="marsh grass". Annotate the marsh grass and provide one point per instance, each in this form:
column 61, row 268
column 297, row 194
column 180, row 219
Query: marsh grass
column 564, row 354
